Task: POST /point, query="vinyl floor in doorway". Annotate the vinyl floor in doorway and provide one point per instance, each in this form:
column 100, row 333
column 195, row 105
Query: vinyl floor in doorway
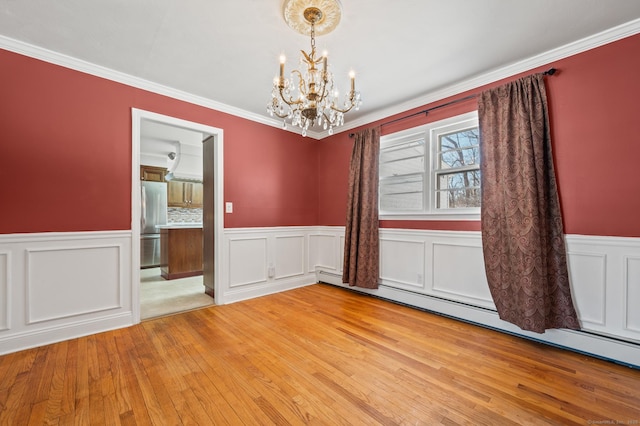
column 159, row 297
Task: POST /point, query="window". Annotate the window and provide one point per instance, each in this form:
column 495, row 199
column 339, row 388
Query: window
column 432, row 171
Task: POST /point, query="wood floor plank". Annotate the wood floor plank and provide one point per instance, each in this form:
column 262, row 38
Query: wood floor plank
column 354, row 392
column 126, row 343
column 212, row 352
column 96, row 398
column 12, row 365
column 14, row 368
column 403, row 407
column 385, row 364
column 16, row 409
column 38, row 413
column 284, row 348
column 53, row 401
column 169, row 379
column 315, row 355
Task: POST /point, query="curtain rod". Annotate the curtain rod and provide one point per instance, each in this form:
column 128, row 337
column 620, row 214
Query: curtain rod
column 550, row 71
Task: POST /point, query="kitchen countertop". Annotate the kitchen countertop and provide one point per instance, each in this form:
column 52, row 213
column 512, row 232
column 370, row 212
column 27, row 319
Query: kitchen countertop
column 182, row 225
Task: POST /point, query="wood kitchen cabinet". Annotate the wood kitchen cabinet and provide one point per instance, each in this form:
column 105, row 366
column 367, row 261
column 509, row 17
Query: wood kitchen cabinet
column 152, row 173
column 197, row 190
column 184, row 194
column 180, row 252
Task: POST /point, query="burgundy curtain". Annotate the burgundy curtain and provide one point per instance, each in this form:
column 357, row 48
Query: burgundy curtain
column 522, row 234
column 361, row 245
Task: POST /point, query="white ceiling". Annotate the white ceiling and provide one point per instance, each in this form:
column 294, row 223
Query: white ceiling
column 227, row 51
column 158, row 140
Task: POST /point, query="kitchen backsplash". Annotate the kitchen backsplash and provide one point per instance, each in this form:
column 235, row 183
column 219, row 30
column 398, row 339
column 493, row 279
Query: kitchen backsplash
column 180, row 215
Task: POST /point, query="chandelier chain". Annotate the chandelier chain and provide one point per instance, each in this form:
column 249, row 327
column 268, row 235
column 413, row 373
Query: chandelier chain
column 313, row 39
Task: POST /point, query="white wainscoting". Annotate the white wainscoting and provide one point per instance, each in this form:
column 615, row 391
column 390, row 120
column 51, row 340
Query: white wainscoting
column 5, row 290
column 56, row 286
column 247, row 261
column 261, row 261
column 443, row 271
column 632, row 294
column 605, row 278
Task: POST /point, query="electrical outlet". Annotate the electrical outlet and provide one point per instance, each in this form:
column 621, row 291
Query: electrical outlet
column 419, row 278
column 228, row 207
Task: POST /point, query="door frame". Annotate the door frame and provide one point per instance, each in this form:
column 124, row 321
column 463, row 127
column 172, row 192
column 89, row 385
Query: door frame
column 137, row 117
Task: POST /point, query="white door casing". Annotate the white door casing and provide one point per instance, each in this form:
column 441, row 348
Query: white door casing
column 138, row 116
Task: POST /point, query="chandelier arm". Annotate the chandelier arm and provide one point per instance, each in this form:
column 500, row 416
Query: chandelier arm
column 274, row 108
column 289, row 101
column 323, row 93
column 346, row 109
column 275, row 112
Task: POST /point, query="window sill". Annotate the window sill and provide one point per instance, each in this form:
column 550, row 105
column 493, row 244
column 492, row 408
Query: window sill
column 435, row 216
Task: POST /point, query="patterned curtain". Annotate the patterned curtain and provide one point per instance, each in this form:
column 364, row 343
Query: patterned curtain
column 522, row 234
column 361, row 245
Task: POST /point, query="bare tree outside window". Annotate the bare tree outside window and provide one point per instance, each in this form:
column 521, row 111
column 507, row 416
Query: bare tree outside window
column 458, row 169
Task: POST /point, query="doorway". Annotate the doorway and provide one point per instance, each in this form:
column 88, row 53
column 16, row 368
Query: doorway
column 212, row 222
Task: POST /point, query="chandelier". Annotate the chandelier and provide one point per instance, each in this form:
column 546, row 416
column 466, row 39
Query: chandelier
column 308, row 98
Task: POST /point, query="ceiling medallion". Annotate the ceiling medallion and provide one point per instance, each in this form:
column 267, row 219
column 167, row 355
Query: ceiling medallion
column 309, row 97
column 296, row 15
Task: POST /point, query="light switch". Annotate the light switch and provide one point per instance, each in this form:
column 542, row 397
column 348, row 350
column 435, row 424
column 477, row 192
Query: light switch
column 228, row 207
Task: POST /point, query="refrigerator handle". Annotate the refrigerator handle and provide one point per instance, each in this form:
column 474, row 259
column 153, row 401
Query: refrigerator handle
column 143, row 208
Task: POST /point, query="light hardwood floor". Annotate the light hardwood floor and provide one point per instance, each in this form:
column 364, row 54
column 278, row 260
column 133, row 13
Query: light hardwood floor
column 314, row 355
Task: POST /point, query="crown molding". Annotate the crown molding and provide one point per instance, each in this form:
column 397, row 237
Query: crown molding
column 75, row 64
column 608, row 36
column 587, row 43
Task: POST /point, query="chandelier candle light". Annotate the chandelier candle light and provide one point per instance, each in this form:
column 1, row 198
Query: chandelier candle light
column 311, row 98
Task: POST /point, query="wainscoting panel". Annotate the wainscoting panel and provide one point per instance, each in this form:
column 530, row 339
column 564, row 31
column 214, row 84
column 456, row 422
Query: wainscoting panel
column 632, row 294
column 458, row 274
column 604, row 272
column 323, row 251
column 57, row 286
column 341, row 252
column 5, row 294
column 87, row 273
column 588, row 285
column 605, row 279
column 402, row 263
column 247, row 261
column 269, row 260
column 289, row 254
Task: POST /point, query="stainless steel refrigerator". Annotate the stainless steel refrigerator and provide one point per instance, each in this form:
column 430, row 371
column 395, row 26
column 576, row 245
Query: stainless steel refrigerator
column 153, row 197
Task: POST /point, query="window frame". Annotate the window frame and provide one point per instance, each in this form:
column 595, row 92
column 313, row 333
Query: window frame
column 429, row 134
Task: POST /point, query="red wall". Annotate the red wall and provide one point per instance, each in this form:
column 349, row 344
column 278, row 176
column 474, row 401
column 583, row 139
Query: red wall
column 594, row 112
column 66, row 154
column 593, row 106
column 66, row 151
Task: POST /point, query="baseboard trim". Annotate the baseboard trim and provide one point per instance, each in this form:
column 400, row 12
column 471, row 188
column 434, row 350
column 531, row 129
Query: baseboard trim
column 240, row 294
column 45, row 336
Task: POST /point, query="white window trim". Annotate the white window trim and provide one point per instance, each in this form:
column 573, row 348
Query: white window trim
column 427, row 131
